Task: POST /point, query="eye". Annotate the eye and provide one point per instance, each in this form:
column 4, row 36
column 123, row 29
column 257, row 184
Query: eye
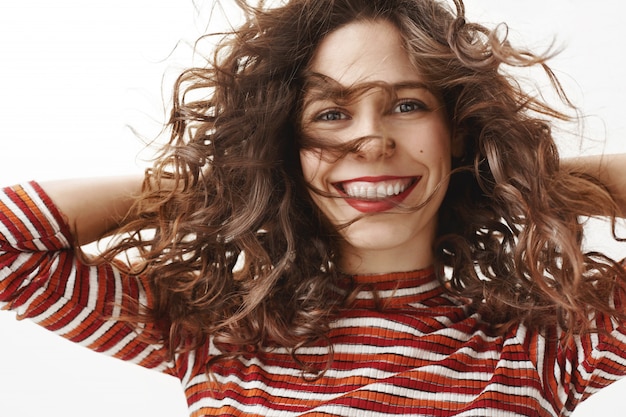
column 409, row 106
column 331, row 116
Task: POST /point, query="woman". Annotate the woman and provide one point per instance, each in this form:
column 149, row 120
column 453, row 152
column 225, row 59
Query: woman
column 406, row 148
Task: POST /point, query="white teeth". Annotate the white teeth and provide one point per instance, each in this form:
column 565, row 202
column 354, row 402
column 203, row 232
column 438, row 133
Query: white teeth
column 377, row 190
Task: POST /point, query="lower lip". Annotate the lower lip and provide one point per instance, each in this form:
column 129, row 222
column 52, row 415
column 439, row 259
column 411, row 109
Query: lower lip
column 377, row 206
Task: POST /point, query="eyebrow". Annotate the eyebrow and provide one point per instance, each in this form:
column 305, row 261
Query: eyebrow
column 324, row 87
column 410, row 85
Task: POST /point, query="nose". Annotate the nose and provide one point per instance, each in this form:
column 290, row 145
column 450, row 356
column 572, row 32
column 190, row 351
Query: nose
column 374, row 148
column 370, row 127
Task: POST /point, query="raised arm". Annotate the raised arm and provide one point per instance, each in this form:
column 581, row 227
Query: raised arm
column 43, row 279
column 94, row 207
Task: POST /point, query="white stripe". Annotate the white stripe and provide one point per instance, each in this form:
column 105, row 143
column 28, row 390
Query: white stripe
column 618, row 335
column 8, row 237
column 481, row 412
column 453, row 397
column 376, row 323
column 519, row 392
column 11, row 239
column 118, row 295
column 19, row 261
column 619, row 360
column 297, row 372
column 93, row 337
column 191, row 360
column 400, row 292
column 20, row 310
column 69, row 295
column 48, row 215
column 255, row 409
column 390, row 325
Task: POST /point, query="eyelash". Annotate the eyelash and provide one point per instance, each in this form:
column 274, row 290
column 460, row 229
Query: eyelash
column 417, row 106
column 322, row 117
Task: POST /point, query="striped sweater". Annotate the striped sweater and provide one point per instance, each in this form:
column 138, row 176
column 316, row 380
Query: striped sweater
column 424, row 355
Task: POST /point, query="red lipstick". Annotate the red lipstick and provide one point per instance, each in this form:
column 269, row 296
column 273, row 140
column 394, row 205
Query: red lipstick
column 376, row 194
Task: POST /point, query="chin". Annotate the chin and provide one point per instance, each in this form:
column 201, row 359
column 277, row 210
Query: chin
column 394, row 241
column 369, row 236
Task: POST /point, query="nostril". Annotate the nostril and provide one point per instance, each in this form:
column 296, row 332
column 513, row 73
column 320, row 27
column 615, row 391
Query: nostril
column 375, row 147
column 389, row 145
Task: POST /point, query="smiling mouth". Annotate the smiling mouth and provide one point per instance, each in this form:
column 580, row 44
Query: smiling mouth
column 365, row 190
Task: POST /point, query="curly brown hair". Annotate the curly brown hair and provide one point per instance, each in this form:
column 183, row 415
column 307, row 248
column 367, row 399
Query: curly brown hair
column 228, row 188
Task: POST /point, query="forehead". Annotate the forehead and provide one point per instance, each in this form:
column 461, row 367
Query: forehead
column 364, row 51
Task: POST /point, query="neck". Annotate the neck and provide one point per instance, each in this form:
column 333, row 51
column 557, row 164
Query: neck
column 381, row 261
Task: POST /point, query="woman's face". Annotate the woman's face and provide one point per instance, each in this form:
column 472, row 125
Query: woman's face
column 404, row 158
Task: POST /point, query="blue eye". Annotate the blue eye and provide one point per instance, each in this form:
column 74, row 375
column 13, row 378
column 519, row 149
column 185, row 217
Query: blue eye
column 408, row 106
column 331, row 115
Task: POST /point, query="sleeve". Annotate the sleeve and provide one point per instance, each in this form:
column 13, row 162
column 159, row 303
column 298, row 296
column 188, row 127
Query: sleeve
column 603, row 360
column 575, row 369
column 42, row 279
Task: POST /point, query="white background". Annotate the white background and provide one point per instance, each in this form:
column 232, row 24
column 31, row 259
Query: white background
column 74, row 76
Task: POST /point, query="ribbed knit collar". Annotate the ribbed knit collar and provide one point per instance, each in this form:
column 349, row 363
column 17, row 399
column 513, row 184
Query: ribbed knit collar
column 409, row 278
column 399, row 288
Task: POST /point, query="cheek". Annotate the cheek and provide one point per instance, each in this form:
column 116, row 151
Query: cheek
column 311, row 163
column 313, row 171
column 439, row 147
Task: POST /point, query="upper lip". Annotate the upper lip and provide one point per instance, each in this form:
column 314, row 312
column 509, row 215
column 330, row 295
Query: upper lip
column 373, row 188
